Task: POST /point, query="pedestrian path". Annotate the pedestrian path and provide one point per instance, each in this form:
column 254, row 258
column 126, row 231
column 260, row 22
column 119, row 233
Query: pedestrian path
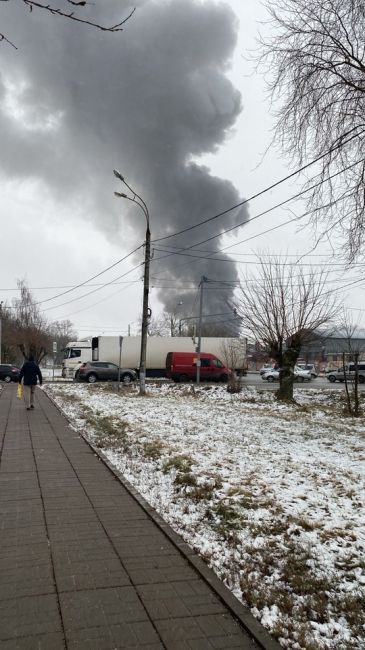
column 83, row 566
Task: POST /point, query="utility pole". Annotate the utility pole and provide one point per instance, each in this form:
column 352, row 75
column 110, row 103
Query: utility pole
column 1, row 324
column 120, row 360
column 198, row 350
column 146, row 312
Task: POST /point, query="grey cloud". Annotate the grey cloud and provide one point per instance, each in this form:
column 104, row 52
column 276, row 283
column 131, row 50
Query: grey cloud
column 146, row 101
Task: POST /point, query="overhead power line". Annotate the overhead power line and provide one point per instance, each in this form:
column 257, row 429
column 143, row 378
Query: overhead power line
column 183, row 253
column 222, row 232
column 255, row 196
column 73, row 288
column 98, row 302
column 81, row 284
column 94, row 290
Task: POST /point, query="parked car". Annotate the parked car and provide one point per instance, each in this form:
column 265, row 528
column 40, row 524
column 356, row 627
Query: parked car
column 271, row 374
column 8, row 372
column 93, row 371
column 309, row 366
column 299, row 375
column 339, row 374
column 265, row 368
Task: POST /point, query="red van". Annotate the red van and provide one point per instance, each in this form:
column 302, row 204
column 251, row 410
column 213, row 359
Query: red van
column 181, row 366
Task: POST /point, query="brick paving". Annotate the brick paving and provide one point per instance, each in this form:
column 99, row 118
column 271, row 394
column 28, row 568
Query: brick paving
column 83, row 565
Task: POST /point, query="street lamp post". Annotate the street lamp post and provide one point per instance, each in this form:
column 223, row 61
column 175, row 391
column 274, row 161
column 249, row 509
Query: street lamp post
column 1, row 323
column 198, row 350
column 146, row 278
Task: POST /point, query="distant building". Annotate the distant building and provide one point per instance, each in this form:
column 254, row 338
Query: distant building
column 327, row 347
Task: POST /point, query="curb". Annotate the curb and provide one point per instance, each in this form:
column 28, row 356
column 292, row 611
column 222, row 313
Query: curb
column 241, row 613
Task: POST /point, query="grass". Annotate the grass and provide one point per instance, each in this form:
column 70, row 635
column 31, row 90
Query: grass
column 266, row 553
column 185, row 479
column 179, row 463
column 110, row 431
column 153, row 449
column 226, row 519
column 205, row 490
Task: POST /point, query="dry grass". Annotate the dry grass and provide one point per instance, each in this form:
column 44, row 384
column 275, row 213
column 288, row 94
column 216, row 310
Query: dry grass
column 185, row 480
column 153, row 449
column 267, row 554
column 179, row 463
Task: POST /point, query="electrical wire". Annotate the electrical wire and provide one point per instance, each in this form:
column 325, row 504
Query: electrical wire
column 98, row 302
column 94, row 290
column 74, row 287
column 255, row 196
column 291, row 220
column 77, row 286
column 252, row 263
column 203, row 241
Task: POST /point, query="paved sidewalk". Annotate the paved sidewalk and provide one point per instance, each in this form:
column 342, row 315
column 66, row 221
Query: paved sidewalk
column 82, row 564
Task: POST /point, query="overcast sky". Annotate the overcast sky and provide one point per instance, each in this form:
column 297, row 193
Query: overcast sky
column 175, row 104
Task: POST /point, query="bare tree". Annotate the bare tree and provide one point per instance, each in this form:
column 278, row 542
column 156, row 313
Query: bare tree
column 9, row 352
column 63, row 11
column 30, row 331
column 282, row 307
column 62, row 332
column 233, row 355
column 354, row 347
column 316, row 57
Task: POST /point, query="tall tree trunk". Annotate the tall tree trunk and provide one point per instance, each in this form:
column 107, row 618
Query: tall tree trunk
column 347, row 391
column 286, row 388
column 356, row 385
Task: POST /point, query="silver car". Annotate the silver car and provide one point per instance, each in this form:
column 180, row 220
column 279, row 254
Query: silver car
column 309, row 366
column 299, row 375
column 339, row 375
column 93, row 371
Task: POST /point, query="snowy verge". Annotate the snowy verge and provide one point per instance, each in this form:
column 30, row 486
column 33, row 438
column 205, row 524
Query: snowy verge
column 268, row 494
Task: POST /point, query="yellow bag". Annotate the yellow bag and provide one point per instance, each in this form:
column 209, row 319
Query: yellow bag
column 19, row 392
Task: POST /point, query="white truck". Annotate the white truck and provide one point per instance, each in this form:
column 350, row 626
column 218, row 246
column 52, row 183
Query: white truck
column 232, row 351
column 74, row 354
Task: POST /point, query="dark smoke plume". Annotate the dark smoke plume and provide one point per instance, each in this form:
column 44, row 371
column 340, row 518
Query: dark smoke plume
column 149, row 101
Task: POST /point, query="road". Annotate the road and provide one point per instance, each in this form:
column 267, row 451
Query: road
column 254, row 379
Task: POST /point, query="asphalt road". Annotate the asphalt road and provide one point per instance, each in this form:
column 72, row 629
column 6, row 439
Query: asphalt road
column 254, row 379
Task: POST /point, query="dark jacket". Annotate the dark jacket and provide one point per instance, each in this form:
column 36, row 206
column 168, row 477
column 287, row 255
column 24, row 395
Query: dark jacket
column 30, row 372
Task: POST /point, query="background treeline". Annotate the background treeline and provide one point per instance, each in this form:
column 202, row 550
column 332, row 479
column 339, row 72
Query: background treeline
column 25, row 331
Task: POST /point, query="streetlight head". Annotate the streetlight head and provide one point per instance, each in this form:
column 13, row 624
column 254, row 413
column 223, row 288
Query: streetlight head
column 120, row 195
column 118, row 175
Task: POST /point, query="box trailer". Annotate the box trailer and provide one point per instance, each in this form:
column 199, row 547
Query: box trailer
column 127, row 350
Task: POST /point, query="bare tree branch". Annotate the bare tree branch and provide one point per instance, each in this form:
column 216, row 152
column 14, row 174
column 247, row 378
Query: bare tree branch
column 58, row 11
column 317, row 61
column 282, row 307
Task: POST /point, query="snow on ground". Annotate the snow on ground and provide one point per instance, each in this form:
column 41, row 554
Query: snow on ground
column 269, row 494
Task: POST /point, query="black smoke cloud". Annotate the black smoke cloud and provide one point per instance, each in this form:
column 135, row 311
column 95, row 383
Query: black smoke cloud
column 77, row 102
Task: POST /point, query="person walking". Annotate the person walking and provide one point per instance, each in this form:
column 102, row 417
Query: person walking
column 30, row 373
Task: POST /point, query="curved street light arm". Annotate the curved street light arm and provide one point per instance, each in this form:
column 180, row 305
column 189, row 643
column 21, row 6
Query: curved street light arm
column 121, row 178
column 146, row 312
column 121, row 195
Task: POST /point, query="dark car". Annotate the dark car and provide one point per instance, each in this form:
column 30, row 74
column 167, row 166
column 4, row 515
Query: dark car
column 93, row 371
column 8, row 372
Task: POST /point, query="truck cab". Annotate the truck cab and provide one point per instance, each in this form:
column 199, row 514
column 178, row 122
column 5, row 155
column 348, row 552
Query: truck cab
column 74, row 354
